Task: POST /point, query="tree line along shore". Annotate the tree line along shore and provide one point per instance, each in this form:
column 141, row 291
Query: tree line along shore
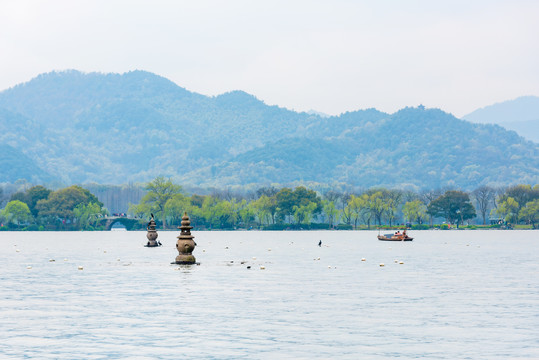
column 75, row 207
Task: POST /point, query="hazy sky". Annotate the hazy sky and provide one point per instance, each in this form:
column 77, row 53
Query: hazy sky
column 331, row 56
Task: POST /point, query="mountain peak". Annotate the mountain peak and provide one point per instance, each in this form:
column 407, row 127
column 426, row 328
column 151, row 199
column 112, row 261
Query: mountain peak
column 523, row 108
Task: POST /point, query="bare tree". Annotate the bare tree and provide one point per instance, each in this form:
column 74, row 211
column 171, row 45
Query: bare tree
column 427, row 196
column 484, row 195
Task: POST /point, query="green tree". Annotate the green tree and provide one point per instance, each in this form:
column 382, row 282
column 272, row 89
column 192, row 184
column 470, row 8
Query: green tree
column 392, row 199
column 141, row 211
column 160, row 190
column 287, row 199
column 31, row 196
column 224, row 214
column 87, row 215
column 246, row 213
column 530, row 213
column 377, row 205
column 62, row 203
column 17, row 212
column 34, row 194
column 176, row 206
column 522, row 194
column 285, row 204
column 261, row 207
column 509, row 209
column 414, row 211
column 453, row 205
column 365, row 213
column 356, row 206
column 331, row 212
column 303, row 213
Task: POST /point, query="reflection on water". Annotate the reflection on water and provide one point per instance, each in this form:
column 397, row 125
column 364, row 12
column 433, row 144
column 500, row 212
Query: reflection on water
column 457, row 294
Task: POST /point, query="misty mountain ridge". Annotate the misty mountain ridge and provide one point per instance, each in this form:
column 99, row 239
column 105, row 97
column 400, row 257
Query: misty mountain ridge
column 117, row 128
column 520, row 115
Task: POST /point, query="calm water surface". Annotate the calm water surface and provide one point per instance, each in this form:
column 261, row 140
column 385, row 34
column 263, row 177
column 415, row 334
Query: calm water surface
column 457, row 295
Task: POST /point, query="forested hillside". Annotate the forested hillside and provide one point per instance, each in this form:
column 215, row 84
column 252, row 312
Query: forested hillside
column 115, row 129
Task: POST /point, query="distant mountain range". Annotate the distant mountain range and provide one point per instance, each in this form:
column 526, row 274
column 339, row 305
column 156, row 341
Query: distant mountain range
column 520, row 115
column 75, row 127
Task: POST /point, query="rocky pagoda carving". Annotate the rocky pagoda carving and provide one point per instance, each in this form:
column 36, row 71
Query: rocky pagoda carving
column 152, row 234
column 185, row 244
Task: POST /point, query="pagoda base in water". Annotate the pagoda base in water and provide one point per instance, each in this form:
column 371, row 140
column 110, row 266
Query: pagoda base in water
column 184, row 259
column 153, row 243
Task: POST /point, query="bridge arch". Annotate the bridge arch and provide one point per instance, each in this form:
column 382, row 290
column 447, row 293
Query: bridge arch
column 129, row 223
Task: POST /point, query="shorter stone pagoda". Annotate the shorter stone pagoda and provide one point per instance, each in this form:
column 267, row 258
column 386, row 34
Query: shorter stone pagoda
column 152, row 234
column 185, row 244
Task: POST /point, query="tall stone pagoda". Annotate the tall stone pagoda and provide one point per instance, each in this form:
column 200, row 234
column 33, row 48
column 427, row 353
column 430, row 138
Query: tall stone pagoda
column 185, row 244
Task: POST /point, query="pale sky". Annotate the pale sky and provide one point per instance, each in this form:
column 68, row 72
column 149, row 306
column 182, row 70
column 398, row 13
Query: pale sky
column 331, row 56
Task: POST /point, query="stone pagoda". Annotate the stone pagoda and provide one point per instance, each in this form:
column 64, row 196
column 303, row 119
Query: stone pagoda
column 185, row 244
column 152, row 234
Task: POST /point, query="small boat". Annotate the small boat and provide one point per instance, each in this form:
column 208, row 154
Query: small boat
column 398, row 236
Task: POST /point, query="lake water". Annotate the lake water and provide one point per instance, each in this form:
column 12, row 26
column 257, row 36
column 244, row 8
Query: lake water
column 457, row 295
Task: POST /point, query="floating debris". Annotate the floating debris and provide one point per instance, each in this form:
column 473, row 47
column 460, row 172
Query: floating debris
column 28, row 267
column 262, row 267
column 363, row 259
column 382, row 264
column 52, row 260
column 80, row 268
column 401, row 262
